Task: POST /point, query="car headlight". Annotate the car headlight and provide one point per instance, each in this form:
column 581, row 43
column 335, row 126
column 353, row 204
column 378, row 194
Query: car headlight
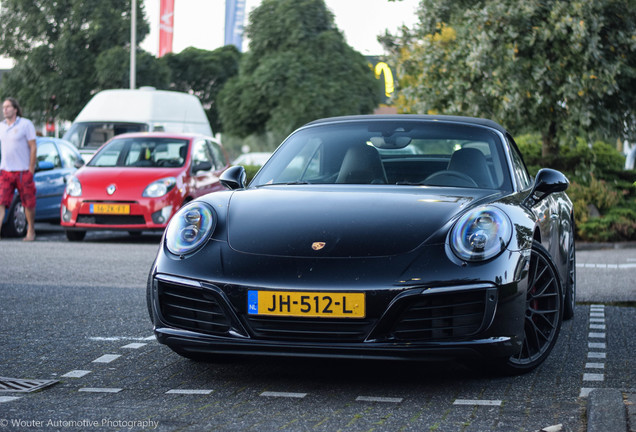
column 190, row 228
column 74, row 187
column 481, row 234
column 159, row 188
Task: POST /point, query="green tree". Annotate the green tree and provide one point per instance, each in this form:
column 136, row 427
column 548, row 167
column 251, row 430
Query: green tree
column 299, row 68
column 563, row 68
column 56, row 45
column 112, row 69
column 203, row 73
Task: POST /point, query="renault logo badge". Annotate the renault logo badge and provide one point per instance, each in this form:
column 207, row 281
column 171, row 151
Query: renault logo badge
column 111, row 189
column 318, row 245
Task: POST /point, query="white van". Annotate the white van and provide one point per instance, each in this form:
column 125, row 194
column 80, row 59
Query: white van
column 113, row 112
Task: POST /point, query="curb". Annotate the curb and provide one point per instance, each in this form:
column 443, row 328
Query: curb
column 606, row 411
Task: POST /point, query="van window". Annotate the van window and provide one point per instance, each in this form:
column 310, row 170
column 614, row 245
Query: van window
column 94, row 134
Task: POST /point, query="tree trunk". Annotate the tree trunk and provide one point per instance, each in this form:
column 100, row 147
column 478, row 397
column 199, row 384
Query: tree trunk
column 550, row 147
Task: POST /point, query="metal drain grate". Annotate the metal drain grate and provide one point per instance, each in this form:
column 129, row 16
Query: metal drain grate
column 17, row 385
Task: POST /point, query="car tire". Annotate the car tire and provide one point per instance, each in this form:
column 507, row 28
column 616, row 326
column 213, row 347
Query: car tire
column 543, row 314
column 75, row 236
column 16, row 225
column 569, row 302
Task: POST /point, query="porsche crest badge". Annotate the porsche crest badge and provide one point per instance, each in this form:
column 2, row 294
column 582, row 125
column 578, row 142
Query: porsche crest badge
column 318, row 245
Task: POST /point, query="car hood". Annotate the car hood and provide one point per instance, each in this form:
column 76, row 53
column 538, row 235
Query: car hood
column 342, row 221
column 129, row 182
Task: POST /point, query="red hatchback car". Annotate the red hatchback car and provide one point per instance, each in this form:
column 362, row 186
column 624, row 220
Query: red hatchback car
column 136, row 182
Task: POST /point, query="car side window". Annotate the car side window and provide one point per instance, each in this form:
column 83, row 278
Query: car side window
column 521, row 173
column 201, row 153
column 48, row 152
column 219, row 157
column 69, row 158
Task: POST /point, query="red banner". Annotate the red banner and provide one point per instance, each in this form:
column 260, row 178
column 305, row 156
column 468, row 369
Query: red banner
column 166, row 26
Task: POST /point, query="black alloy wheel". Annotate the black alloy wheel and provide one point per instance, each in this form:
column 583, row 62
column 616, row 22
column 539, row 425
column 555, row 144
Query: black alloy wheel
column 543, row 316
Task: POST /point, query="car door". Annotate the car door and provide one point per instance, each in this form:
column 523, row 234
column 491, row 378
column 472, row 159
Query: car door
column 50, row 183
column 203, row 179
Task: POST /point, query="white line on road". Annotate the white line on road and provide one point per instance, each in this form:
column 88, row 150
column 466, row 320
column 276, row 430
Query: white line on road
column 593, row 377
column 283, row 394
column 107, row 358
column 76, row 373
column 596, row 355
column 594, row 365
column 8, row 398
column 189, row 392
column 598, row 345
column 596, row 335
column 378, row 399
column 100, row 390
column 135, row 345
column 480, row 402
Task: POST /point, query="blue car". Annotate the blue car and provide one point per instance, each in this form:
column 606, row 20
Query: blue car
column 57, row 161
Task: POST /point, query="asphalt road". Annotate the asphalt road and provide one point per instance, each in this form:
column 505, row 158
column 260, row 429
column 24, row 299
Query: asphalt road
column 74, row 313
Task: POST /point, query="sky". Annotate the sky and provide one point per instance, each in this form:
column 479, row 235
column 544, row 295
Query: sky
column 200, row 23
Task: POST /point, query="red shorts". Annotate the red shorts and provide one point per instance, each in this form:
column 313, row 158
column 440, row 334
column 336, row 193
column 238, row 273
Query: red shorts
column 20, row 180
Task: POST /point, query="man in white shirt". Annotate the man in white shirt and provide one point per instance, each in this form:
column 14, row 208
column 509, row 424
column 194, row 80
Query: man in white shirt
column 18, row 153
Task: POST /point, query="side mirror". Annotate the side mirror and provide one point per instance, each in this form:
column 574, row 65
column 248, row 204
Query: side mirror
column 547, row 181
column 44, row 166
column 79, row 163
column 202, row 166
column 233, row 177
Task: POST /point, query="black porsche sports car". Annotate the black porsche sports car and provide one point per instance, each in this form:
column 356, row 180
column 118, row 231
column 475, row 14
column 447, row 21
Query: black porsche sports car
column 388, row 237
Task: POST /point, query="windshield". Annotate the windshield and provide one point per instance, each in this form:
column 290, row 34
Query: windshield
column 390, row 152
column 146, row 152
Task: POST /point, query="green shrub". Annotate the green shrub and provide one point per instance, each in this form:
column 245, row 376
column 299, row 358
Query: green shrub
column 597, row 180
column 618, row 225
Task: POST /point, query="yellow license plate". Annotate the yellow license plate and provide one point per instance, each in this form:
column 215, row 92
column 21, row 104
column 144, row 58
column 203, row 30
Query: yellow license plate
column 306, row 304
column 110, row 209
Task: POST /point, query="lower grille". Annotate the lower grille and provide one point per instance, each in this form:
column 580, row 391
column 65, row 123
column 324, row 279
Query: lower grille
column 310, row 329
column 445, row 316
column 111, row 220
column 191, row 308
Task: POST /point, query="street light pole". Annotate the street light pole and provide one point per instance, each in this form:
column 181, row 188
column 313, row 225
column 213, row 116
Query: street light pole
column 133, row 44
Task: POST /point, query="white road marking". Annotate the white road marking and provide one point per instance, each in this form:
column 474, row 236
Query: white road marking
column 585, row 391
column 76, row 373
column 596, row 335
column 119, row 338
column 107, row 358
column 100, row 390
column 596, row 355
column 378, row 399
column 598, row 326
column 135, row 345
column 283, row 394
column 189, row 392
column 594, row 365
column 4, row 399
column 593, row 377
column 607, row 266
column 598, row 345
column 480, row 402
